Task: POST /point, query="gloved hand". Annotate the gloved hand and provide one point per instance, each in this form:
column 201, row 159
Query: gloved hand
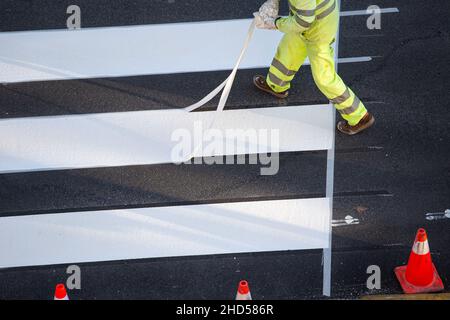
column 264, row 22
column 270, row 9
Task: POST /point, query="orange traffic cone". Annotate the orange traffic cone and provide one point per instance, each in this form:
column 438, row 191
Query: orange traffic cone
column 243, row 292
column 60, row 292
column 420, row 275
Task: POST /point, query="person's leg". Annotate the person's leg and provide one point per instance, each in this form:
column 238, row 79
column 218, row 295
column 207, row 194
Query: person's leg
column 331, row 85
column 290, row 55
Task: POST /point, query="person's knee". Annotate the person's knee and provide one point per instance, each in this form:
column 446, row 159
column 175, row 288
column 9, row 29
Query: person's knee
column 324, row 80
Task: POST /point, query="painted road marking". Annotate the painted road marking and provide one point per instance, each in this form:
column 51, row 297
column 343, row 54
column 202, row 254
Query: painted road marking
column 365, row 12
column 438, row 215
column 164, row 232
column 145, row 137
column 132, row 50
column 355, row 59
column 347, row 221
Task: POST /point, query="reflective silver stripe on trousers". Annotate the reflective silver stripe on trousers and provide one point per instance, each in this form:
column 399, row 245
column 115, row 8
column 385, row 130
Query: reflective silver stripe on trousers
column 302, row 22
column 327, row 12
column 280, row 67
column 277, row 80
column 352, row 108
column 342, row 98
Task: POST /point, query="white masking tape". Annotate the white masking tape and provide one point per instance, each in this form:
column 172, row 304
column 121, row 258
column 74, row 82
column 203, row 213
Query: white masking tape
column 228, row 83
column 226, row 86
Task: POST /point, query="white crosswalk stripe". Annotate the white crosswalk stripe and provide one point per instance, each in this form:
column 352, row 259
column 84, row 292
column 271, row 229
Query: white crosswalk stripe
column 133, row 50
column 146, row 137
column 164, row 232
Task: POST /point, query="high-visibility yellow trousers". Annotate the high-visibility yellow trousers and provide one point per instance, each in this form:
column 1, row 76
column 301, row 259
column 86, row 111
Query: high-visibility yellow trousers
column 316, row 43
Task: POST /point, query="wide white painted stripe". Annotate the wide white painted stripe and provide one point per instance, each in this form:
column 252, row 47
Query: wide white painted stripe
column 131, row 50
column 146, row 137
column 163, row 232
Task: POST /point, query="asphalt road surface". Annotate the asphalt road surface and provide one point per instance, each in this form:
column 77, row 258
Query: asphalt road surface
column 388, row 177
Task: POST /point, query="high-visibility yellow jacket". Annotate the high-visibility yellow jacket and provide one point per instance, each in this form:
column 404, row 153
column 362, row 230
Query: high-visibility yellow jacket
column 306, row 15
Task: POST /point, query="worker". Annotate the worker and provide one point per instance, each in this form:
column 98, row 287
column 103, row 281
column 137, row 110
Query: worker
column 309, row 31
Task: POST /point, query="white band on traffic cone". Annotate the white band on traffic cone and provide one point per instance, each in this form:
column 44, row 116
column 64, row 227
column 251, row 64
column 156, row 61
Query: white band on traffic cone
column 421, row 248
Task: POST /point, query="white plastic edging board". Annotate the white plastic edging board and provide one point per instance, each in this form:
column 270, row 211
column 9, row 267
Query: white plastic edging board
column 161, row 136
column 164, row 232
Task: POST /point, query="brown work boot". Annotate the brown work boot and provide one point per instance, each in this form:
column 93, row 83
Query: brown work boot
column 366, row 122
column 261, row 84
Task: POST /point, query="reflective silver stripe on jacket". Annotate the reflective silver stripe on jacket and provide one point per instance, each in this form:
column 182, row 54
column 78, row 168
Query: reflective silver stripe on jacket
column 327, row 12
column 302, row 22
column 305, row 13
column 280, row 67
column 311, row 13
column 323, row 4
